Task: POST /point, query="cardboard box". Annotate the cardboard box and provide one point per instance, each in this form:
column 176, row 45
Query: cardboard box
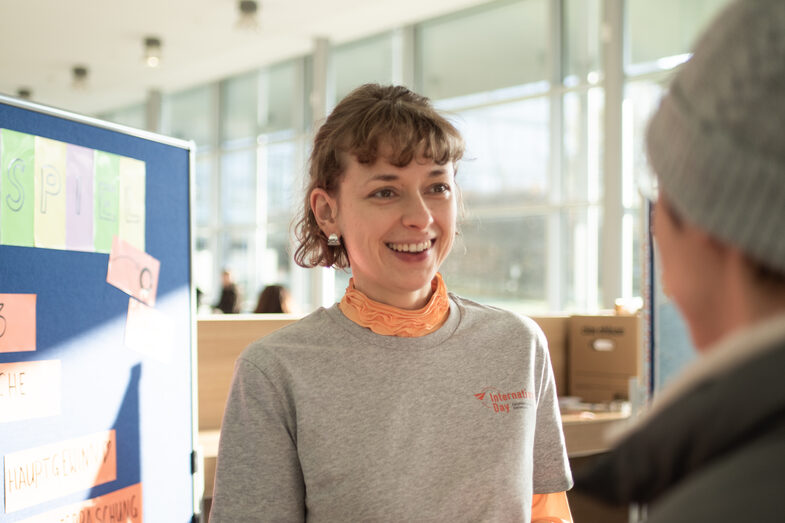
column 555, row 329
column 604, row 353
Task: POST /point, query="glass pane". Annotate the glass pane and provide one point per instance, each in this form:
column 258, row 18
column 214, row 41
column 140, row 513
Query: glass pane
column 506, row 160
column 582, row 146
column 187, row 115
column 204, row 272
column 283, row 195
column 581, row 41
column 133, row 116
column 580, row 237
column 341, row 282
column 667, row 27
column 484, row 49
column 204, row 191
column 641, row 99
column 239, row 115
column 282, row 97
column 633, row 238
column 511, row 252
column 238, row 187
column 238, row 257
column 276, row 262
column 365, row 61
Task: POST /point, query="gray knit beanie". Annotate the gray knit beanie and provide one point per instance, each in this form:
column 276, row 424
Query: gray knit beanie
column 717, row 141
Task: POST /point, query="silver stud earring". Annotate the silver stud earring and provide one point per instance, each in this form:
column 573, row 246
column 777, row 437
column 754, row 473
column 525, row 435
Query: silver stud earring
column 333, row 240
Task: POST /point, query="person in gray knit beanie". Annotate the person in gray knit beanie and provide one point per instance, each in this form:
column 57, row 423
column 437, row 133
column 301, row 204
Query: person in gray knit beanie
column 712, row 445
column 717, row 142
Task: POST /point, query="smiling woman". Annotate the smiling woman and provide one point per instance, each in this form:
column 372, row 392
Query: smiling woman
column 342, row 416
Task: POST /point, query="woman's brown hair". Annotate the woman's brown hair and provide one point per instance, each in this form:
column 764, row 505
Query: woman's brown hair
column 368, row 119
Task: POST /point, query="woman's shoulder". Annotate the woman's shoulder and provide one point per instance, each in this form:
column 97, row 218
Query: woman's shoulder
column 307, row 333
column 476, row 312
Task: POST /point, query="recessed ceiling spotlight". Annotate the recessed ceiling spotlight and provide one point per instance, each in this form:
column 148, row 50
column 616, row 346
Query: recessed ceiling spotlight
column 24, row 93
column 79, row 77
column 152, row 51
column 248, row 20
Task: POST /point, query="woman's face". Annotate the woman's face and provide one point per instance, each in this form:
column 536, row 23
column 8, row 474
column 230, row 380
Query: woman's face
column 398, row 226
column 691, row 272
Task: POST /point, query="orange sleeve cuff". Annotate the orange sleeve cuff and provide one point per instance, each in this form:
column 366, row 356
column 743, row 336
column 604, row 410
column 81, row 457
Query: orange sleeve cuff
column 551, row 508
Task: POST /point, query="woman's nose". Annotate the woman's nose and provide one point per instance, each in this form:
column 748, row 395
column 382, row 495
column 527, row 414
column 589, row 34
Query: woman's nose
column 416, row 213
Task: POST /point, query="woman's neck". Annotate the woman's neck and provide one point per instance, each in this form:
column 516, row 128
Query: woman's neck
column 390, row 320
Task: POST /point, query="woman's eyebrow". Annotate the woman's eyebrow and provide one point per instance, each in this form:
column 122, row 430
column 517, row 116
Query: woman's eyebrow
column 391, row 177
column 383, row 177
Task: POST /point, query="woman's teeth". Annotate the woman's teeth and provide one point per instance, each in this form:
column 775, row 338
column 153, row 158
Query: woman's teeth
column 409, row 247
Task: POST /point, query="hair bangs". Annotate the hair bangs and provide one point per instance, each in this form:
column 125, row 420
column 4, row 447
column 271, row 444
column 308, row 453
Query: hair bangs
column 401, row 132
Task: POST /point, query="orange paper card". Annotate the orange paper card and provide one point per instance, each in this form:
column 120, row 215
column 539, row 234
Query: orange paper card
column 124, row 505
column 44, row 473
column 17, row 322
column 133, row 271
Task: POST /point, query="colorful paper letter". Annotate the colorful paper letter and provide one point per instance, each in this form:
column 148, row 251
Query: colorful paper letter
column 29, row 389
column 17, row 190
column 79, row 198
column 17, row 322
column 107, row 200
column 132, row 204
column 49, row 193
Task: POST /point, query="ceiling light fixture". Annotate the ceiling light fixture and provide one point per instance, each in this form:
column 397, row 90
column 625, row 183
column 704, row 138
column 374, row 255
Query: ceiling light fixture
column 248, row 21
column 152, row 51
column 80, row 77
column 25, row 93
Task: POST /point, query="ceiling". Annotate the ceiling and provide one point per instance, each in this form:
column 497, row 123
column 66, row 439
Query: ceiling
column 42, row 40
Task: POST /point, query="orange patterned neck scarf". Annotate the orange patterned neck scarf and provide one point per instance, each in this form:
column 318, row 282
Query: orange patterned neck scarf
column 392, row 321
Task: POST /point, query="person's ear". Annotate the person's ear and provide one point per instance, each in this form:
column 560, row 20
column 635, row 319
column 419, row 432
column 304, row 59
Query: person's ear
column 325, row 210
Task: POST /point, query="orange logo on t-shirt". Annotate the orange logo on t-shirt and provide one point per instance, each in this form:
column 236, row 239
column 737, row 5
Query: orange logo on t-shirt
column 501, row 402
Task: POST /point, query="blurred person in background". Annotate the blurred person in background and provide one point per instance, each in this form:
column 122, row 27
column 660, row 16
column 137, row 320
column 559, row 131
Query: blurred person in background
column 229, row 302
column 274, row 299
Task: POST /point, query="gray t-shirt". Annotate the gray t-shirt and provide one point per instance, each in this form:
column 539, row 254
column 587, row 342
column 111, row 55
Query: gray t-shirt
column 327, row 421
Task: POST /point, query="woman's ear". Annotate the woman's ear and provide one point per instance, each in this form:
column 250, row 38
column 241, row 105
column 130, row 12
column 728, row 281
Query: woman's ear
column 325, row 210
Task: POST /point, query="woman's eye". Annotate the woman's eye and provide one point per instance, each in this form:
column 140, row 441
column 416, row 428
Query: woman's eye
column 383, row 193
column 440, row 188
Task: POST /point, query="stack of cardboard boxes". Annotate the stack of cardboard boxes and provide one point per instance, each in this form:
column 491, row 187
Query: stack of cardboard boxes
column 594, row 357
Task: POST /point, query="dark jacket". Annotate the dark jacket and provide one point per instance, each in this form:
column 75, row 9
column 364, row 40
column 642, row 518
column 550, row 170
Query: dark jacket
column 716, row 454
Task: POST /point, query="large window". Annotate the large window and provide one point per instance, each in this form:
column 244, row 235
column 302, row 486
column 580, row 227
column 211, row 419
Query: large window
column 485, row 49
column 365, row 61
column 504, row 184
column 660, row 37
column 530, row 180
column 526, row 82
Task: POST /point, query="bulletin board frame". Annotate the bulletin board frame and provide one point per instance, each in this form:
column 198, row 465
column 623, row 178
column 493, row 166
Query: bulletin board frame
column 667, row 347
column 118, row 429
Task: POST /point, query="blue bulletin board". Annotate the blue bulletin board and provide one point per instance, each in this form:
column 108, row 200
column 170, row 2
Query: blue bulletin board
column 97, row 419
column 667, row 345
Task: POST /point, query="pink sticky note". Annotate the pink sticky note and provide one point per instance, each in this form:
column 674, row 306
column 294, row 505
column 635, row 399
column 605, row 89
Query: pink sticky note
column 133, row 271
column 17, row 322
